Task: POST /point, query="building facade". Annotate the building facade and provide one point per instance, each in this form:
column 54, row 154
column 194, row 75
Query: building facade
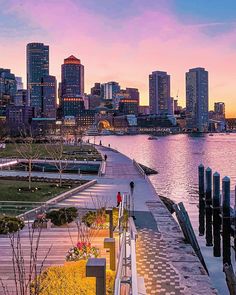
column 8, row 89
column 37, row 67
column 219, row 110
column 110, row 90
column 49, row 89
column 72, row 87
column 197, row 100
column 159, row 93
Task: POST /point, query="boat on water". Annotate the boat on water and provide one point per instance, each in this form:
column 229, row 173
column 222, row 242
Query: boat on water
column 152, row 137
column 105, row 132
column 92, row 131
column 120, row 133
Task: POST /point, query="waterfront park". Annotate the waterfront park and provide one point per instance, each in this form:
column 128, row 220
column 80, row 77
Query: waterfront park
column 62, row 231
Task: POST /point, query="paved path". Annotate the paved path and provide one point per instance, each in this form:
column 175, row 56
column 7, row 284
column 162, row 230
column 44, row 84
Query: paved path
column 168, row 265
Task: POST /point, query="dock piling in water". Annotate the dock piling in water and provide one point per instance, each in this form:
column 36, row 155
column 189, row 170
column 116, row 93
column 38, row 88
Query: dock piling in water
column 209, row 242
column 201, row 190
column 226, row 220
column 216, row 215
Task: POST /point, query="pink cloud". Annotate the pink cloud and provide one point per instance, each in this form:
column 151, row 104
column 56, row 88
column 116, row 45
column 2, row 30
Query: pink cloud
column 128, row 50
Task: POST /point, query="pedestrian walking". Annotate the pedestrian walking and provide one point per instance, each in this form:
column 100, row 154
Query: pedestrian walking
column 131, row 187
column 119, row 199
column 105, row 157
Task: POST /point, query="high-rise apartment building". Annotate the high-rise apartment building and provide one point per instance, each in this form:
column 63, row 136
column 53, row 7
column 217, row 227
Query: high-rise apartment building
column 110, row 89
column 48, row 88
column 8, row 89
column 219, row 110
column 197, row 99
column 72, row 87
column 37, row 67
column 159, row 93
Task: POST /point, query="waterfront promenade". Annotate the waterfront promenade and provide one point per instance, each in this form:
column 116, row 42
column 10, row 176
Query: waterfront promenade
column 167, row 264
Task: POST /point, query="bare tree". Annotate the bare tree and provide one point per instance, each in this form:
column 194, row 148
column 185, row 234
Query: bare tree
column 28, row 151
column 27, row 267
column 56, row 152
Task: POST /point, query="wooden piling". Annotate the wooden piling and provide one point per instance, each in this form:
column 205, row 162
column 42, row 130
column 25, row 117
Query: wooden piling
column 201, row 191
column 226, row 220
column 209, row 242
column 216, row 215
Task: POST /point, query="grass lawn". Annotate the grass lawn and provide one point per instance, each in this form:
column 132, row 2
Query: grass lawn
column 10, row 192
column 87, row 152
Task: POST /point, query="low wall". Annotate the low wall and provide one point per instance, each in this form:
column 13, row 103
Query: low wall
column 60, row 197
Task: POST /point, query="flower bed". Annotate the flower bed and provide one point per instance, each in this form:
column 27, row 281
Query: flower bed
column 70, row 279
column 83, row 250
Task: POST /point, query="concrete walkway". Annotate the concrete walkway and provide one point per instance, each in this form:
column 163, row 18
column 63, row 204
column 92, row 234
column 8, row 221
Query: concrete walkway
column 168, row 265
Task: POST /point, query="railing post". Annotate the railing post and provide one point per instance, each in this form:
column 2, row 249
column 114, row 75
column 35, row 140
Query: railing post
column 216, row 214
column 201, row 181
column 110, row 213
column 96, row 267
column 110, row 244
column 226, row 220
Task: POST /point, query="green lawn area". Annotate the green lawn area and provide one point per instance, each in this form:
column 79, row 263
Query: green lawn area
column 10, row 192
column 87, row 152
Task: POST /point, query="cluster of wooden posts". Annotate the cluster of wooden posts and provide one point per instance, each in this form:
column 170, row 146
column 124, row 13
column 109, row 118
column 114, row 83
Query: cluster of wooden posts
column 217, row 219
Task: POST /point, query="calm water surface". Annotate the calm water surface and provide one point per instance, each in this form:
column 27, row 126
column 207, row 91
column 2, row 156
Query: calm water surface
column 176, row 158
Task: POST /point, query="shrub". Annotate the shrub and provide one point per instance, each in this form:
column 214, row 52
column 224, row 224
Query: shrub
column 62, row 216
column 9, row 224
column 100, row 219
column 70, row 279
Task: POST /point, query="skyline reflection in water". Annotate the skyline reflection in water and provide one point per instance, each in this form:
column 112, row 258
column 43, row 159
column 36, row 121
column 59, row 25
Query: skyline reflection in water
column 176, row 158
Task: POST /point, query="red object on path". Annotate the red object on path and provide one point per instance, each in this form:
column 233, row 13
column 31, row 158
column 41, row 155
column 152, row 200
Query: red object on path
column 119, row 198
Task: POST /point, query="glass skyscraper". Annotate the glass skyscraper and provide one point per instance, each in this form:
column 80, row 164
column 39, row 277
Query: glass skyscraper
column 159, row 93
column 72, row 87
column 197, row 100
column 37, row 67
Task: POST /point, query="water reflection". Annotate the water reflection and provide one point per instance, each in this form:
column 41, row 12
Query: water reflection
column 176, row 158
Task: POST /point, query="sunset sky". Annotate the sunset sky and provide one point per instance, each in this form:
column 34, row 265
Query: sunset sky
column 125, row 40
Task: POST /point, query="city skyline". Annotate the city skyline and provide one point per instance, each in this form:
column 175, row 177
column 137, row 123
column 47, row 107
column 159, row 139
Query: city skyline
column 106, row 39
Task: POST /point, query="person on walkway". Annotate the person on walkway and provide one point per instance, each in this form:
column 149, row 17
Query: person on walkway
column 131, row 187
column 105, row 157
column 119, row 199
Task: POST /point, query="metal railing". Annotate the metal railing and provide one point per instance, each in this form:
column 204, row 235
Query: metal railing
column 126, row 268
column 139, row 168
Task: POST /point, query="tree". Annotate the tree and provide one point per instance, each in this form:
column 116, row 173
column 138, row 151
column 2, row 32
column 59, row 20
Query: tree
column 55, row 151
column 29, row 151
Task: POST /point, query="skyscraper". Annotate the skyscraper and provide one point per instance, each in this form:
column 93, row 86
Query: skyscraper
column 72, row 77
column 8, row 86
column 110, row 89
column 219, row 109
column 72, row 87
column 159, row 93
column 197, row 99
column 37, row 68
column 48, row 88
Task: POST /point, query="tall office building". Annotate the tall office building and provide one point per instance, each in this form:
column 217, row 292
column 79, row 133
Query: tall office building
column 8, row 89
column 72, row 87
column 159, row 93
column 133, row 93
column 96, row 89
column 37, row 67
column 72, row 77
column 48, row 88
column 197, row 99
column 219, row 110
column 19, row 83
column 110, row 89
